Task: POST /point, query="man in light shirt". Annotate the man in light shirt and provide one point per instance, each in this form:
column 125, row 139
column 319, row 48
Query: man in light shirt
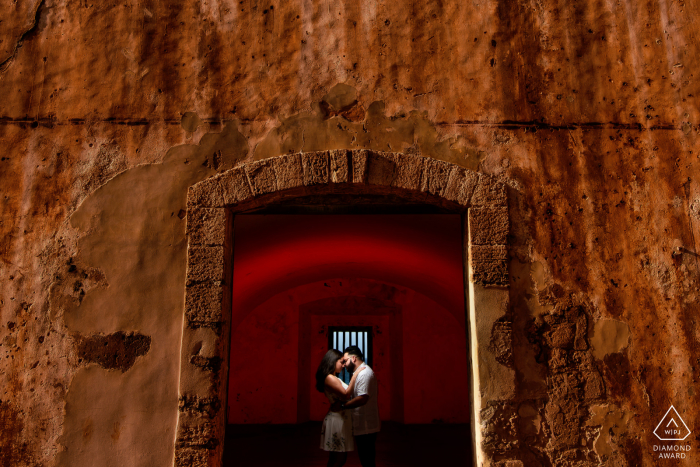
column 365, row 412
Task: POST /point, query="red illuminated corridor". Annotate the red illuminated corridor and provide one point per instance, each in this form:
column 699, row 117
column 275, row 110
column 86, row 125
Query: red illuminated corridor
column 296, row 276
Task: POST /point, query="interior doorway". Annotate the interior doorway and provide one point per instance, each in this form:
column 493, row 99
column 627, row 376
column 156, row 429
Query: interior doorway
column 298, row 278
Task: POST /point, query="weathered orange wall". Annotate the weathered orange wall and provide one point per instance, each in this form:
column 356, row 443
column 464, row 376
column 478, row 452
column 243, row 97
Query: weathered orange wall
column 110, row 111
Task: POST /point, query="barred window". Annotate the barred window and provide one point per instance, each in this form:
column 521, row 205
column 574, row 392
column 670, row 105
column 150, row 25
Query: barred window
column 340, row 337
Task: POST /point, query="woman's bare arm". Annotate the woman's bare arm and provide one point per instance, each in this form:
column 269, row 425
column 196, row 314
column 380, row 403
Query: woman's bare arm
column 336, row 387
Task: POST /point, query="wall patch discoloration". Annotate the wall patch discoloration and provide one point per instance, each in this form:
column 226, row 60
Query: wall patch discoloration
column 613, row 424
column 609, row 336
column 117, row 351
column 14, row 449
column 339, row 121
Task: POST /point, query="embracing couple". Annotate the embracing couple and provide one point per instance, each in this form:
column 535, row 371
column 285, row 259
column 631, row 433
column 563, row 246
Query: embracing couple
column 354, row 414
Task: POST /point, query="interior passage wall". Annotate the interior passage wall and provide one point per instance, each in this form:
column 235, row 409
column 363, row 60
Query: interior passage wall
column 436, row 384
column 264, row 354
column 263, row 366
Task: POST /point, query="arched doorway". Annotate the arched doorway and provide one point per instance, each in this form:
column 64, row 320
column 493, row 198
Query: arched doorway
column 330, row 178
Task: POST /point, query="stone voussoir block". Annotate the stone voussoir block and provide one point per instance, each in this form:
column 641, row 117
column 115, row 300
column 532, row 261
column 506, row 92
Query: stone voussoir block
column 339, row 160
column 435, row 176
column 461, row 184
column 289, row 171
column 207, row 193
column 489, row 265
column 206, row 226
column 203, row 304
column 381, row 168
column 409, row 171
column 235, row 185
column 315, row 168
column 359, row 165
column 396, row 170
column 488, row 225
column 205, row 264
column 489, row 192
column 262, row 176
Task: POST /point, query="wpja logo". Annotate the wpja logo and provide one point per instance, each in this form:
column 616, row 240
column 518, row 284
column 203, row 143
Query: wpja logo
column 672, row 428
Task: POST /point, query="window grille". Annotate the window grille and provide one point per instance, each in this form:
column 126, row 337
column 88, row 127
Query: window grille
column 341, row 337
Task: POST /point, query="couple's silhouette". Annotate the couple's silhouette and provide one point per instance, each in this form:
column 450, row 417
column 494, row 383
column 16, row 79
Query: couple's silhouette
column 353, row 418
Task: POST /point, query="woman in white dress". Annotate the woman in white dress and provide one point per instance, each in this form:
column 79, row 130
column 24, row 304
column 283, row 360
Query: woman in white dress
column 336, row 434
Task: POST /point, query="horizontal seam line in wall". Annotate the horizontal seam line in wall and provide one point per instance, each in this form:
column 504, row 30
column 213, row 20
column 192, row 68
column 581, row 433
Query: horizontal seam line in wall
column 506, row 124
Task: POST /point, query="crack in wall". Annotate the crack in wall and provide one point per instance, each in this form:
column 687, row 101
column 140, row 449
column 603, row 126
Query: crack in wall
column 5, row 64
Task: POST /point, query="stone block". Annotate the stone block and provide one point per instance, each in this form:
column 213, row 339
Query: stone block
column 580, row 342
column 493, row 381
column 206, row 226
column 489, row 192
column 593, row 387
column 205, row 264
column 205, row 342
column 212, row 364
column 381, row 168
column 289, row 171
column 509, row 463
column 196, row 432
column 489, row 265
column 203, row 304
column 435, row 176
column 397, row 170
column 409, row 171
column 562, row 335
column 262, row 176
column 488, row 225
column 191, row 457
column 235, row 185
column 201, row 406
column 339, row 160
column 461, row 184
column 359, row 165
column 488, row 253
column 207, row 193
column 196, row 380
column 315, row 168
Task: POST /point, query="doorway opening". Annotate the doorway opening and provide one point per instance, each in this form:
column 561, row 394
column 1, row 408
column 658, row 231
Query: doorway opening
column 390, row 283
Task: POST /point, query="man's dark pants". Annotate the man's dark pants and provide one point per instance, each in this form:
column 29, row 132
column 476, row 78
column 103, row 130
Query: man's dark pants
column 366, row 449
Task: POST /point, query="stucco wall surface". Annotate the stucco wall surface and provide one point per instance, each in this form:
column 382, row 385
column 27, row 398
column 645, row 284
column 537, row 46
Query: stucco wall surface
column 586, row 110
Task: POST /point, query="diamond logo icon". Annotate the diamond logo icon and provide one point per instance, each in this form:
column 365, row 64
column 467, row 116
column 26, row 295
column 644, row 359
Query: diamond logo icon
column 672, row 427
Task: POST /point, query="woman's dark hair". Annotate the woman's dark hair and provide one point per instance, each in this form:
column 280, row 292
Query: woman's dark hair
column 326, row 367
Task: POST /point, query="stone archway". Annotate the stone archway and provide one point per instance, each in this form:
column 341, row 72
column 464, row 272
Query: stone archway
column 399, row 177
